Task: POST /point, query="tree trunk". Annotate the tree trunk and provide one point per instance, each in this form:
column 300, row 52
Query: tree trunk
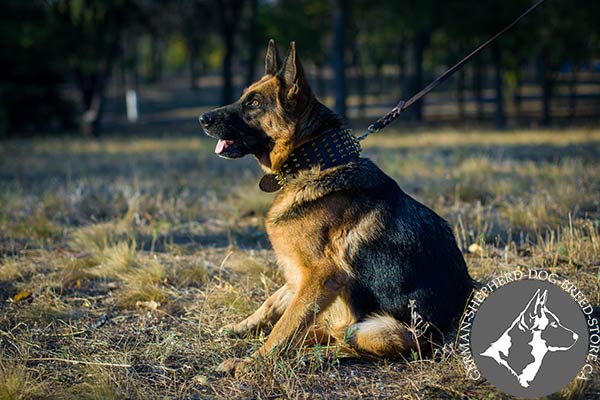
column 193, row 39
column 401, row 65
column 518, row 95
column 361, row 85
column 130, row 77
column 415, row 80
column 339, row 65
column 321, row 84
column 478, row 89
column 499, row 117
column 460, row 94
column 379, row 78
column 252, row 43
column 229, row 12
column 86, row 86
column 545, row 73
column 156, row 54
column 573, row 93
column 226, row 68
column 193, row 63
column 92, row 118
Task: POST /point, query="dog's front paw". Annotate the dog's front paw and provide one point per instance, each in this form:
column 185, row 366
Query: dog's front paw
column 235, row 330
column 233, row 366
column 232, row 331
column 228, row 331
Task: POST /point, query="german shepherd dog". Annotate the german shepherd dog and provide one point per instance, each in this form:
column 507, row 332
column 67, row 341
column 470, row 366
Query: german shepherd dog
column 358, row 254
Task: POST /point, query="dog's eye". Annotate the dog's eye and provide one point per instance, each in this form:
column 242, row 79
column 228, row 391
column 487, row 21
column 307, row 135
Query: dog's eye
column 554, row 325
column 255, row 103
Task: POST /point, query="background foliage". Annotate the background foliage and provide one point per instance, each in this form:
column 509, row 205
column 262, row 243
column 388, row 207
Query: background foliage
column 62, row 54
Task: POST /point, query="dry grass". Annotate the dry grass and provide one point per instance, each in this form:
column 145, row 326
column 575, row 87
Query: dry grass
column 130, row 254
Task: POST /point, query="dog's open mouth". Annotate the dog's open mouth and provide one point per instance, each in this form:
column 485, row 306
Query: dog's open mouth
column 232, row 148
column 222, row 145
column 233, row 141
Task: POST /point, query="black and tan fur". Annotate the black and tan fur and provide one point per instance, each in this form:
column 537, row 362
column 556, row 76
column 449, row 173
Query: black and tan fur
column 354, row 248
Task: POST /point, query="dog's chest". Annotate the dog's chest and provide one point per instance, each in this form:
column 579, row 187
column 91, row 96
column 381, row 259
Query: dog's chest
column 302, row 239
column 291, row 245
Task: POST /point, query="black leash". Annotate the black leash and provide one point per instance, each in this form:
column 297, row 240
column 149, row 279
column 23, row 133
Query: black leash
column 403, row 105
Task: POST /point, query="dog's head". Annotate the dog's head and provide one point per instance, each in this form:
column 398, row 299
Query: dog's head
column 537, row 317
column 265, row 120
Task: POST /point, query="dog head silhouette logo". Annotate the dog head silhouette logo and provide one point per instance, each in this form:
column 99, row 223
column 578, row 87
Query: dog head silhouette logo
column 542, row 331
column 529, row 338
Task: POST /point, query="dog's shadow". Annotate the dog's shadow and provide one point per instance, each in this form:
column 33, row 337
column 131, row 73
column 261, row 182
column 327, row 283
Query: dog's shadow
column 244, row 238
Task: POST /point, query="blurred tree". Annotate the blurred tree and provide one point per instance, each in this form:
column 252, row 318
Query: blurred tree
column 196, row 26
column 50, row 45
column 563, row 31
column 340, row 21
column 419, row 17
column 308, row 22
column 30, row 93
column 91, row 32
column 379, row 37
column 500, row 115
column 159, row 20
column 229, row 12
column 450, row 43
column 252, row 36
column 486, row 19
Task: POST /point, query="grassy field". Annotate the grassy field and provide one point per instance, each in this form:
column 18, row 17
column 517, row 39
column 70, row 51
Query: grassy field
column 122, row 258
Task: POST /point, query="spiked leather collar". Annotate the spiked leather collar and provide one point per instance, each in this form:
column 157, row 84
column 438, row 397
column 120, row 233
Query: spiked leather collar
column 335, row 147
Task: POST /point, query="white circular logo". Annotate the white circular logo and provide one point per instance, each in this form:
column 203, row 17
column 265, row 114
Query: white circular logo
column 529, row 334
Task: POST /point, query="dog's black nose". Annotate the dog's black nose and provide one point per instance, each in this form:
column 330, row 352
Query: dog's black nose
column 206, row 119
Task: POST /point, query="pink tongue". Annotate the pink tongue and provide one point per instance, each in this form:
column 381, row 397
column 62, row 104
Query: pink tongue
column 222, row 145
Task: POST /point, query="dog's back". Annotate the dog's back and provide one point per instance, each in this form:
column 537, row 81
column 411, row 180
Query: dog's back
column 415, row 258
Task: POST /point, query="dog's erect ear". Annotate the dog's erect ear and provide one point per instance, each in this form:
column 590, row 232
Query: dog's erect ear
column 530, row 312
column 540, row 303
column 292, row 68
column 294, row 80
column 272, row 60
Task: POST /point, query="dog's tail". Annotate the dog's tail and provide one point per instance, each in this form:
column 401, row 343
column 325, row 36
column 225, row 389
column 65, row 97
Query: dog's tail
column 382, row 336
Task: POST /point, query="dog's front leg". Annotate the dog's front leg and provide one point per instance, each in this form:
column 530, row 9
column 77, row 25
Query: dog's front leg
column 269, row 312
column 313, row 295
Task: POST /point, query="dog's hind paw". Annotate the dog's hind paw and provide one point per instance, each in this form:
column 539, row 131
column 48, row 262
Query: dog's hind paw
column 233, row 366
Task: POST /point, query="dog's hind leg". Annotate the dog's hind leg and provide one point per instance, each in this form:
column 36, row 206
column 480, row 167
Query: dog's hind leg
column 269, row 312
column 381, row 336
